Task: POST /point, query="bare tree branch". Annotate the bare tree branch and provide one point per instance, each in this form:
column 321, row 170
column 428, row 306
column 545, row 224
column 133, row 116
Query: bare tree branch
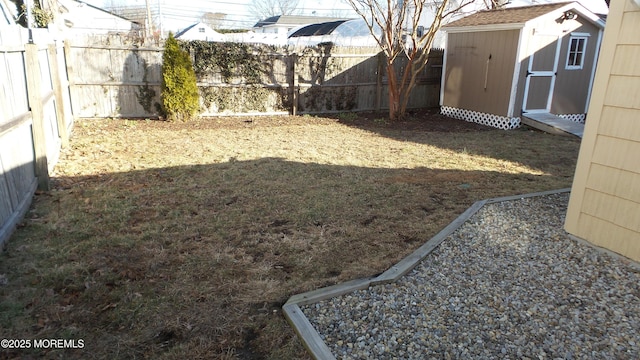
column 267, row 8
column 399, row 21
column 214, row 20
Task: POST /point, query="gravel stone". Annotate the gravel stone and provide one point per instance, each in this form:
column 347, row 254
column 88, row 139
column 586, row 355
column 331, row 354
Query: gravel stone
column 508, row 284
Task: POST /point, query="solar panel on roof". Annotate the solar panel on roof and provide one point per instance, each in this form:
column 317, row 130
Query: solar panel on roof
column 317, row 29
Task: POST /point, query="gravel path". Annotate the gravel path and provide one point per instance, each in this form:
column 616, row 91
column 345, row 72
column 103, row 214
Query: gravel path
column 508, row 284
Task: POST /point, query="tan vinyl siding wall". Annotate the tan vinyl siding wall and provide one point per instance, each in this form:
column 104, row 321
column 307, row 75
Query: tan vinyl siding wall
column 467, row 65
column 572, row 86
column 605, row 200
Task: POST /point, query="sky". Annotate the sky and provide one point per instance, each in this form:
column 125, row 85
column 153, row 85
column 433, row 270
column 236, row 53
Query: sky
column 179, row 14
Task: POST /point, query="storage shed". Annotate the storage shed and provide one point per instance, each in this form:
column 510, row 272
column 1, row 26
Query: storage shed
column 502, row 64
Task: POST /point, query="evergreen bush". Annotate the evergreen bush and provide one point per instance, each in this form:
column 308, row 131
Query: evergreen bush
column 180, row 98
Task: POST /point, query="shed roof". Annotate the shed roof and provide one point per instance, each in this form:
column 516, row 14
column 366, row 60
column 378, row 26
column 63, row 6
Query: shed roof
column 515, row 15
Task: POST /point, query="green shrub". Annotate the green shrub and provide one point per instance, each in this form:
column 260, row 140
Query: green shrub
column 180, row 97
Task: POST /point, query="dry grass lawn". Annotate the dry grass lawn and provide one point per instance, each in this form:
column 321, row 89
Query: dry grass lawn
column 182, row 241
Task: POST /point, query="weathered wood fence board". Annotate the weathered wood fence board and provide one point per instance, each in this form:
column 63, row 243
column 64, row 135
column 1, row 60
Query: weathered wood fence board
column 114, row 81
column 118, row 80
column 17, row 177
column 35, row 119
column 87, row 79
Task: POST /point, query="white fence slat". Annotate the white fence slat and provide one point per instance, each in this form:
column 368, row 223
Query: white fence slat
column 28, row 125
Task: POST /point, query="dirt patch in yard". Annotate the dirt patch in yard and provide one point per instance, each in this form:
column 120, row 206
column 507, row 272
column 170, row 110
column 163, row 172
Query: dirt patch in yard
column 416, row 120
column 183, row 240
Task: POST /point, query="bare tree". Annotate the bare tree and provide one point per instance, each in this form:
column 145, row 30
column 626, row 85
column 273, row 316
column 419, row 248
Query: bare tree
column 337, row 13
column 495, row 4
column 266, row 8
column 395, row 25
column 214, row 20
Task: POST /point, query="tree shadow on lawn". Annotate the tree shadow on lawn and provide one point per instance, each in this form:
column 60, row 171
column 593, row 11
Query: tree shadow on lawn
column 196, row 261
column 428, row 126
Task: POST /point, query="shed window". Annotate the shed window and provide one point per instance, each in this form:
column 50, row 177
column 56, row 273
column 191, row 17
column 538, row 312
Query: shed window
column 575, row 55
column 201, row 29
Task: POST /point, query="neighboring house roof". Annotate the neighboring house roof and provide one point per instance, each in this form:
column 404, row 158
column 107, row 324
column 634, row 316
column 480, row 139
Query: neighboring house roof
column 268, row 21
column 200, row 31
column 135, row 13
column 10, row 32
column 288, row 20
column 83, row 17
column 6, row 17
column 317, row 29
column 185, row 30
column 518, row 16
column 94, row 9
column 353, row 32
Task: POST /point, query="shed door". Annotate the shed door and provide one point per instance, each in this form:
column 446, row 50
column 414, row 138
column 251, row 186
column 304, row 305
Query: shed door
column 541, row 73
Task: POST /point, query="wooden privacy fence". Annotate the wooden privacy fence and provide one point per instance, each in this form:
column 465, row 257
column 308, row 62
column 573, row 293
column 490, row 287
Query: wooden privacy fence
column 35, row 122
column 115, row 79
column 41, row 85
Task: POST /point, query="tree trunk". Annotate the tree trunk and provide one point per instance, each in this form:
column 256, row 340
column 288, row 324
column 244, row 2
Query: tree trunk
column 407, row 84
column 416, row 62
column 401, row 85
column 394, row 94
column 392, row 20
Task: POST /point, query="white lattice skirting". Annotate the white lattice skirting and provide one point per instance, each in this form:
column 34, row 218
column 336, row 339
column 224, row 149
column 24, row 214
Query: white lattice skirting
column 497, row 121
column 579, row 118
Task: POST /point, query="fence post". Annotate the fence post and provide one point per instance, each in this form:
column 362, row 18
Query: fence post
column 379, row 74
column 294, row 85
column 57, row 93
column 37, row 114
column 70, row 78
